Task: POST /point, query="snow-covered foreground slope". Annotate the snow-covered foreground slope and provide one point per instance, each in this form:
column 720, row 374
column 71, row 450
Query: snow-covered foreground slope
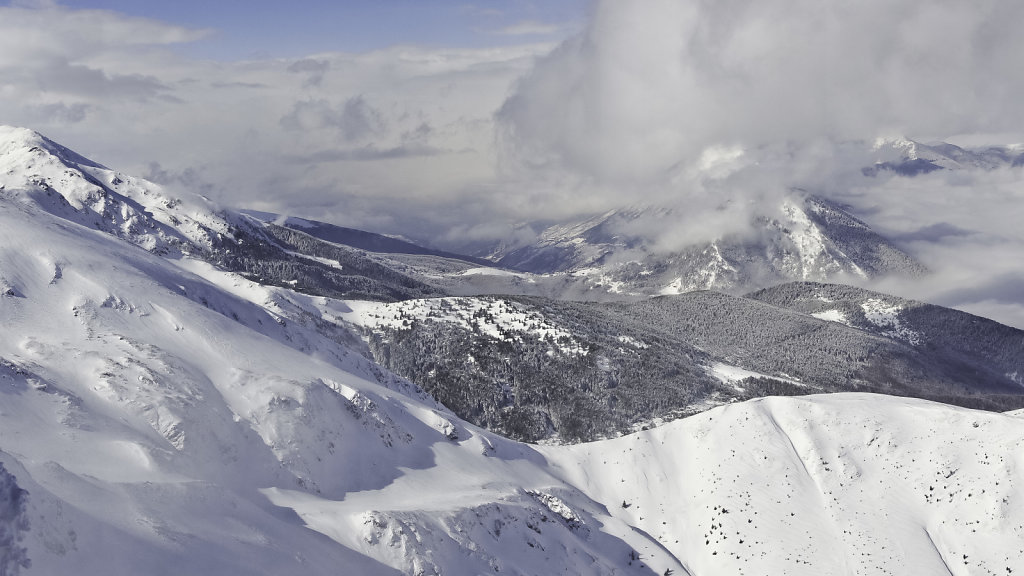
column 843, row 484
column 143, row 408
column 846, row 484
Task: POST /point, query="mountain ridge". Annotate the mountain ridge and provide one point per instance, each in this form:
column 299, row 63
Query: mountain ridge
column 361, row 239
column 541, row 369
column 810, row 238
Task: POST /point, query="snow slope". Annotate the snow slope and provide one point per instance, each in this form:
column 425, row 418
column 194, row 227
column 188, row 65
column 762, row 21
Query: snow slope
column 142, row 408
column 843, row 484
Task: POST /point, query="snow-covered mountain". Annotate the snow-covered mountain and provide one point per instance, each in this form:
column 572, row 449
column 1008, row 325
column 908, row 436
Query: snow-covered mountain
column 803, row 237
column 536, row 369
column 41, row 174
column 909, row 158
column 161, row 413
column 806, row 238
column 360, row 239
column 44, row 175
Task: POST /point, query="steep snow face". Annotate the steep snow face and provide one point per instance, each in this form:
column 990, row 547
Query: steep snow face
column 142, row 408
column 813, row 258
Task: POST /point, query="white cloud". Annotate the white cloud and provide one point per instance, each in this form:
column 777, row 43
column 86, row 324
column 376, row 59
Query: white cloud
column 708, row 105
column 334, row 135
column 649, row 85
column 965, row 227
column 33, row 34
column 692, row 104
column 529, row 28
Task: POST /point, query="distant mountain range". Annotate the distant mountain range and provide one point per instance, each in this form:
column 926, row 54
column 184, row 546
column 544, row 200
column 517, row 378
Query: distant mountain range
column 806, row 237
column 909, row 158
column 810, row 239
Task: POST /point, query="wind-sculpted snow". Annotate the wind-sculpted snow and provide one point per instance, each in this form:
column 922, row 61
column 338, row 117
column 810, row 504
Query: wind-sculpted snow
column 133, row 390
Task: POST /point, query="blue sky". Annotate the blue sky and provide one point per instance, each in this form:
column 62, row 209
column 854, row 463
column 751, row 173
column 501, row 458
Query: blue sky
column 244, row 29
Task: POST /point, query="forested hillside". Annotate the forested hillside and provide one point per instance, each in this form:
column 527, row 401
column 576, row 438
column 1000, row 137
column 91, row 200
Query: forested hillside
column 534, row 368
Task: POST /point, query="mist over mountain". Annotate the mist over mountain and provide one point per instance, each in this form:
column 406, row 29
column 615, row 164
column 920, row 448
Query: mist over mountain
column 653, row 288
column 809, row 238
column 700, row 109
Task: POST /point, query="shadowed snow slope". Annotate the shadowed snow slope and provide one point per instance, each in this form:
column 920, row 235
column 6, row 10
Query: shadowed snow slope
column 160, row 416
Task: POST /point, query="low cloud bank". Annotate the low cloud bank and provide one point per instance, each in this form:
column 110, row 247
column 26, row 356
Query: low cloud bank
column 713, row 110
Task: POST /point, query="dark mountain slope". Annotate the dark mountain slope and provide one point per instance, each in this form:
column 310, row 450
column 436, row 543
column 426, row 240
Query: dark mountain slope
column 532, row 368
column 361, row 239
column 966, row 346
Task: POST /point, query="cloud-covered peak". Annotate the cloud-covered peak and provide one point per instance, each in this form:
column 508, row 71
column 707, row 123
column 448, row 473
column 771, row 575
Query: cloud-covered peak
column 647, row 86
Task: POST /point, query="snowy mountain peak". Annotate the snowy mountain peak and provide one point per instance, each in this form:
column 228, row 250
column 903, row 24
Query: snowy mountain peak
column 42, row 174
column 805, row 237
column 14, row 138
column 907, row 157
